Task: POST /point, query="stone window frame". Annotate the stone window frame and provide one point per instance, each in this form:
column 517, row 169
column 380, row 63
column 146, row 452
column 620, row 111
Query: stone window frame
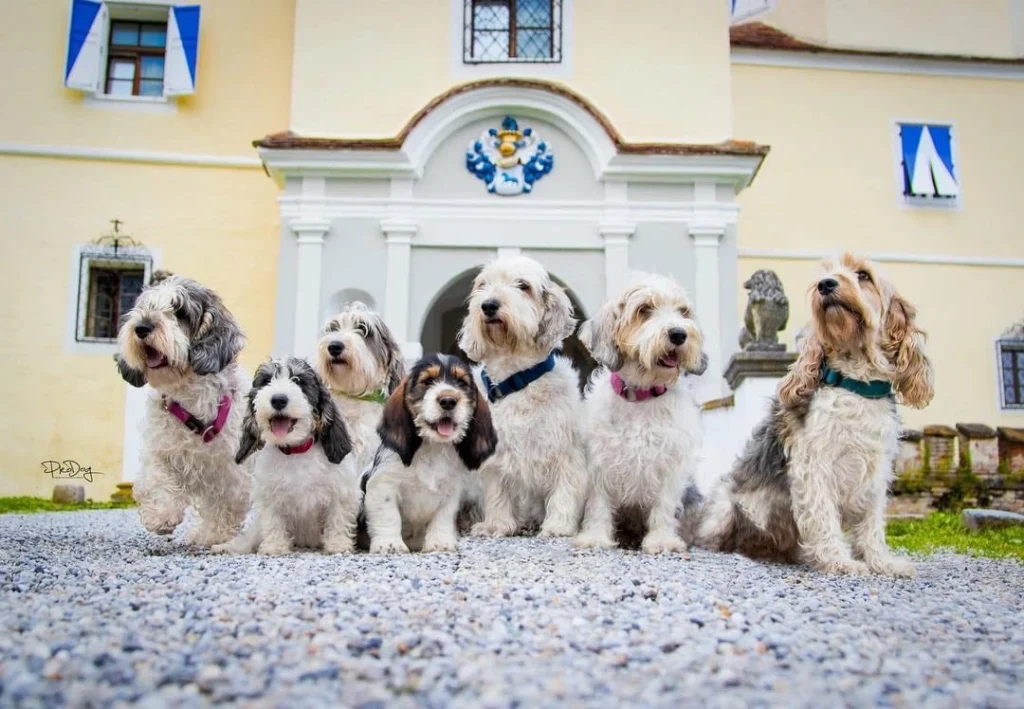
column 1010, row 342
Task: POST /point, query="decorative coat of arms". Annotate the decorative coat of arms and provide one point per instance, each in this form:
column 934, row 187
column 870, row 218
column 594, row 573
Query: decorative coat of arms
column 509, row 160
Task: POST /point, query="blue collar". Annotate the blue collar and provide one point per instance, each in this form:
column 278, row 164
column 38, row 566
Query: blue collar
column 875, row 389
column 518, row 381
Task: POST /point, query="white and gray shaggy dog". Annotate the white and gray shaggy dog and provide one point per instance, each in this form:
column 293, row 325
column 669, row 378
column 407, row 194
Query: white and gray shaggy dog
column 517, row 317
column 435, row 430
column 822, row 461
column 306, row 487
column 358, row 359
column 643, row 427
column 181, row 340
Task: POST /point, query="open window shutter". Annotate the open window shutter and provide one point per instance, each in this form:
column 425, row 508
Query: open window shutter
column 85, row 45
column 182, row 50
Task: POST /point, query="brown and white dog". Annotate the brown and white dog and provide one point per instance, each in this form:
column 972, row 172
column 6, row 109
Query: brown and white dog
column 823, row 459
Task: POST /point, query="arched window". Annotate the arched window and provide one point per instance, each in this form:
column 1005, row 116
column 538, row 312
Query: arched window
column 1010, row 351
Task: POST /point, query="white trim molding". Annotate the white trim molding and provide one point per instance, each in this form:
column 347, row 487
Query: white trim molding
column 707, row 229
column 921, row 66
column 886, row 257
column 398, row 236
column 70, row 152
column 616, row 236
column 310, row 234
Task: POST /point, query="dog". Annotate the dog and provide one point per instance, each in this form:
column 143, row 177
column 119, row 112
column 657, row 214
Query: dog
column 181, row 340
column 306, row 486
column 436, row 427
column 823, row 458
column 643, row 425
column 517, row 317
column 358, row 359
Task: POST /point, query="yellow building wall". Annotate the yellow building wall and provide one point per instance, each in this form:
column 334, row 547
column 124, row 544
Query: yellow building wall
column 831, row 184
column 659, row 70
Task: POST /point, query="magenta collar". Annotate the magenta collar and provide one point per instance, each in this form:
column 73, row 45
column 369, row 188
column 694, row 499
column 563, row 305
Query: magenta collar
column 206, row 431
column 295, row 450
column 633, row 394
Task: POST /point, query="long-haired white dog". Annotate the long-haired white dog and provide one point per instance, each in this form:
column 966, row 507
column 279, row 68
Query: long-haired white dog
column 181, row 340
column 306, row 486
column 643, row 428
column 517, row 317
column 436, row 428
column 358, row 359
column 824, row 457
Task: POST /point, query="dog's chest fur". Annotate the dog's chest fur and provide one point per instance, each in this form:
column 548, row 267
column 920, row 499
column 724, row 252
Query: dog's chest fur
column 536, row 426
column 635, row 446
column 361, row 418
column 436, row 474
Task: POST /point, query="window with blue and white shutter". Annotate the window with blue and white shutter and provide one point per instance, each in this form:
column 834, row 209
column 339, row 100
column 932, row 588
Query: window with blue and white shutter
column 926, row 162
column 132, row 50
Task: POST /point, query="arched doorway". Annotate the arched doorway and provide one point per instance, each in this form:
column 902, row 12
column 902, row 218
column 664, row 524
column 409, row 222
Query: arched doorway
column 444, row 318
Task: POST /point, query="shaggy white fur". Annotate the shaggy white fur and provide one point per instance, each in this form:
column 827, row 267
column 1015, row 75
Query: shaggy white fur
column 517, row 316
column 181, row 340
column 304, row 499
column 642, row 453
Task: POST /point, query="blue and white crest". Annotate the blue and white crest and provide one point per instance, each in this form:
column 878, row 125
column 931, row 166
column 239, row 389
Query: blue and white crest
column 509, row 160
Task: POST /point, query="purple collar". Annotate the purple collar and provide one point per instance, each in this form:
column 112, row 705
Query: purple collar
column 295, row 450
column 206, row 431
column 633, row 394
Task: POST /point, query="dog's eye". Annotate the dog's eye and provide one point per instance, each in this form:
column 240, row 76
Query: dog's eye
column 863, row 276
column 644, row 310
column 426, row 382
column 685, row 312
column 523, row 286
column 331, row 327
column 363, row 330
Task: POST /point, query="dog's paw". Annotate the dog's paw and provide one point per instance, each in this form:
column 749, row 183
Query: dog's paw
column 388, row 546
column 662, row 543
column 493, row 529
column 439, row 545
column 339, row 546
column 893, row 566
column 160, row 525
column 844, row 567
column 273, row 549
column 550, row 531
column 590, row 540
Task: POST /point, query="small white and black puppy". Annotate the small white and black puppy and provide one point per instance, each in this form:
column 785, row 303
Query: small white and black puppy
column 436, row 427
column 360, row 362
column 643, row 420
column 182, row 341
column 305, row 488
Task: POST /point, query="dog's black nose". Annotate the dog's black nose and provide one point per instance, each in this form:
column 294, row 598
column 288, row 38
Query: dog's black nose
column 827, row 285
column 490, row 307
column 677, row 336
column 336, row 348
column 143, row 329
column 447, row 402
column 278, row 401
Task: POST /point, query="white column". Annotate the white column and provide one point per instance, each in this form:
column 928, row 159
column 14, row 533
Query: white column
column 616, row 256
column 398, row 236
column 310, row 234
column 707, row 230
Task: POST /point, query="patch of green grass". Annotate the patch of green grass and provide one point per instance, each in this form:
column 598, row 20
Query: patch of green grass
column 945, row 530
column 41, row 504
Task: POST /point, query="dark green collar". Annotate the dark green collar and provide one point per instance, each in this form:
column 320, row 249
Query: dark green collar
column 377, row 397
column 875, row 389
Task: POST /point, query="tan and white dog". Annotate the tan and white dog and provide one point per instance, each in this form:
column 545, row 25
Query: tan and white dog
column 643, row 426
column 823, row 459
column 517, row 317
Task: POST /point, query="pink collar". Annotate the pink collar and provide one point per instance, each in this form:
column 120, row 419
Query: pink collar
column 632, row 394
column 295, row 450
column 206, row 431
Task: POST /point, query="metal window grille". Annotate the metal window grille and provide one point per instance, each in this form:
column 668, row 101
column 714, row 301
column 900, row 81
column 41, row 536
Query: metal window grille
column 512, row 32
column 1011, row 373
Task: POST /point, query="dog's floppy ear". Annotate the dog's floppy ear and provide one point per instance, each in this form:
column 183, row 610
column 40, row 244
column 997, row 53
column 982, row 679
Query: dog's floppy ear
column 557, row 323
column 701, row 366
column 217, row 341
column 130, row 374
column 397, row 430
column 804, row 375
column 903, row 344
column 467, row 341
column 333, row 433
column 598, row 335
column 481, row 439
column 250, row 440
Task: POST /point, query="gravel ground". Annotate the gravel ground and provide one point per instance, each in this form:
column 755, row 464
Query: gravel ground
column 93, row 610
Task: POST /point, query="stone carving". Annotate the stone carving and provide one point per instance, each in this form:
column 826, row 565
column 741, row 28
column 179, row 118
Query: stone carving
column 509, row 160
column 767, row 313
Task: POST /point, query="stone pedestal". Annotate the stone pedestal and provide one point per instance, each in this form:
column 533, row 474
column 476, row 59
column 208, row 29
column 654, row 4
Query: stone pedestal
column 979, row 448
column 941, row 450
column 123, row 493
column 909, row 458
column 757, row 364
column 1011, row 449
column 69, row 494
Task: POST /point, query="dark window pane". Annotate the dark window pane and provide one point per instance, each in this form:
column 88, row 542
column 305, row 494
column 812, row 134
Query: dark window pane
column 1020, row 377
column 533, row 13
column 151, row 87
column 153, row 35
column 152, row 67
column 116, row 87
column 124, row 33
column 534, row 44
column 1007, row 358
column 1020, row 359
column 131, row 286
column 1010, row 396
column 490, row 16
column 103, row 291
column 1007, row 375
column 490, row 46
